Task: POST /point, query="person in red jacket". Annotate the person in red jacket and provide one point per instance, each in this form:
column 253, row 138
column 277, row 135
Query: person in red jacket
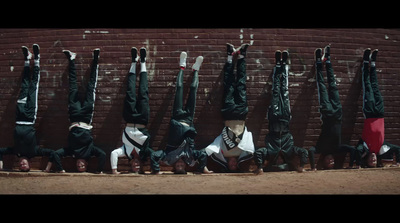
column 373, row 134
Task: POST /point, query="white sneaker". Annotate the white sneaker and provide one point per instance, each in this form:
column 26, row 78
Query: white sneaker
column 199, row 61
column 70, row 55
column 182, row 61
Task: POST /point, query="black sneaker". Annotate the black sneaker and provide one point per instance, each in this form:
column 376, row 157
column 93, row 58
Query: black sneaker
column 96, row 54
column 229, row 49
column 142, row 55
column 134, row 54
column 285, row 56
column 70, row 55
column 373, row 55
column 36, row 51
column 27, row 54
column 366, row 55
column 327, row 53
column 318, row 55
column 243, row 49
column 278, row 55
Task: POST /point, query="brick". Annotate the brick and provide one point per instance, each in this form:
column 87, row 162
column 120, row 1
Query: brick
column 164, row 47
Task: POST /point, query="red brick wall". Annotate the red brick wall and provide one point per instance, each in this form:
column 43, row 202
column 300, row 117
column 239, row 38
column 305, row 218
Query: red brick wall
column 164, row 47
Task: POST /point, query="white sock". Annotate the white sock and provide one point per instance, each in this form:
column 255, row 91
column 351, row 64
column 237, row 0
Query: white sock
column 133, row 68
column 36, row 62
column 26, row 63
column 143, row 67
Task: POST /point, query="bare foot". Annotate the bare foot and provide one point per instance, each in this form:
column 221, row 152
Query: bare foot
column 259, row 171
column 301, row 169
column 206, row 171
column 114, row 171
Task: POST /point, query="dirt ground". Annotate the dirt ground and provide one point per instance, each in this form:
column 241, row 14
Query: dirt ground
column 362, row 181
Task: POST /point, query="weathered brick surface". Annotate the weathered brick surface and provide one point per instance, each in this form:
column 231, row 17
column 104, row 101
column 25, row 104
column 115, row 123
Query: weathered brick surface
column 164, row 47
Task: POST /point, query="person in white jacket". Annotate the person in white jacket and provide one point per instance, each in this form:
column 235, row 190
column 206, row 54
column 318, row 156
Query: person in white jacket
column 235, row 144
column 136, row 112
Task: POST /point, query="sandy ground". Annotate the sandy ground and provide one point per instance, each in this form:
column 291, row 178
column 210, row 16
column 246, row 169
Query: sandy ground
column 363, row 181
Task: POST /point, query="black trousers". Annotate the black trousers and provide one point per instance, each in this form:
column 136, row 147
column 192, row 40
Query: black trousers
column 235, row 100
column 80, row 141
column 136, row 107
column 185, row 114
column 330, row 108
column 279, row 114
column 25, row 144
column 24, row 132
column 81, row 112
column 280, row 145
column 27, row 99
column 279, row 142
column 177, row 131
column 373, row 106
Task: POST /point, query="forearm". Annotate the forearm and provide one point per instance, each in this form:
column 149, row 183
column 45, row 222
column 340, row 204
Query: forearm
column 259, row 156
column 115, row 154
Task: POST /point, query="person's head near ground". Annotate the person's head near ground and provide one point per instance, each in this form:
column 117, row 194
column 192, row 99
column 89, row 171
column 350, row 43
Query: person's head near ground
column 81, row 165
column 371, row 160
column 328, row 162
column 136, row 164
column 179, row 167
column 24, row 164
column 233, row 164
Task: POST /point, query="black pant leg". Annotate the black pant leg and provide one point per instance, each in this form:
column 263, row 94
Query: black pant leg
column 88, row 105
column 74, row 105
column 301, row 153
column 240, row 94
column 311, row 156
column 177, row 110
column 130, row 99
column 228, row 105
column 259, row 156
column 191, row 101
column 333, row 92
column 143, row 106
column 6, row 151
column 57, row 156
column 325, row 106
column 201, row 157
column 379, row 105
column 27, row 100
column 275, row 109
column 368, row 93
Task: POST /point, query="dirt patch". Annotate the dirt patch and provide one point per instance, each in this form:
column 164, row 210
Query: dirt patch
column 364, row 181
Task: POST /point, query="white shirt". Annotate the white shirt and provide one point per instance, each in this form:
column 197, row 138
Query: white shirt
column 245, row 146
column 130, row 136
